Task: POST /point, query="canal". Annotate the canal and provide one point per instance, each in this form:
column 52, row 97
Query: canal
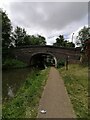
column 11, row 81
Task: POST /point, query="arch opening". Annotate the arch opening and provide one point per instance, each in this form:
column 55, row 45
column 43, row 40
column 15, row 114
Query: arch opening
column 43, row 60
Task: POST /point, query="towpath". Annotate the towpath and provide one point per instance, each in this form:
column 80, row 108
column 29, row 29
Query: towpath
column 55, row 100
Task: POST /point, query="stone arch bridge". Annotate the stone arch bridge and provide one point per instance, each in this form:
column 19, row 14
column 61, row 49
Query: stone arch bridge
column 38, row 55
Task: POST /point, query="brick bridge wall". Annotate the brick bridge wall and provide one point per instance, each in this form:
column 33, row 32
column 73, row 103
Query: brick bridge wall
column 26, row 53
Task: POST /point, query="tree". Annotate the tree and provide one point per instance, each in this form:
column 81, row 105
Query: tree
column 83, row 35
column 19, row 36
column 70, row 44
column 37, row 40
column 41, row 40
column 27, row 40
column 6, row 29
column 60, row 41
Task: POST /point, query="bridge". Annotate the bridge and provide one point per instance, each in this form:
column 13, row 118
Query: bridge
column 42, row 55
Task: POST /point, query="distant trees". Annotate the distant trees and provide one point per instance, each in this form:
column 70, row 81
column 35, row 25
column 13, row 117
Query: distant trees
column 18, row 37
column 37, row 40
column 21, row 38
column 42, row 40
column 61, row 42
column 15, row 38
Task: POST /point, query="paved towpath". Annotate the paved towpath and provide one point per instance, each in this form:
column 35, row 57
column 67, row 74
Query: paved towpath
column 55, row 99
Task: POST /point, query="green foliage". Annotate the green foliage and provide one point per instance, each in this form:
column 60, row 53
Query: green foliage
column 37, row 40
column 76, row 81
column 6, row 34
column 70, row 44
column 41, row 40
column 25, row 103
column 83, row 35
column 61, row 63
column 21, row 38
column 60, row 41
column 6, row 29
column 13, row 63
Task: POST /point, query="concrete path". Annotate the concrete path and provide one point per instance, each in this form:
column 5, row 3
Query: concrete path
column 55, row 99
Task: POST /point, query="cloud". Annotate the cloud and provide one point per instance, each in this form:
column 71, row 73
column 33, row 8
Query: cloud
column 48, row 15
column 48, row 18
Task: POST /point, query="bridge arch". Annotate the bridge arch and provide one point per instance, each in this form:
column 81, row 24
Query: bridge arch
column 43, row 59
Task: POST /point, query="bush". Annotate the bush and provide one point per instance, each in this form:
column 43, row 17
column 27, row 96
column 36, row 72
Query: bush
column 13, row 63
column 61, row 63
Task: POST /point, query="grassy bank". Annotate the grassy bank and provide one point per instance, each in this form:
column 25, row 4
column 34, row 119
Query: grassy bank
column 25, row 103
column 76, row 81
column 13, row 63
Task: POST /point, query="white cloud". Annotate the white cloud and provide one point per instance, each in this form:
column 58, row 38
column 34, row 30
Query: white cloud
column 47, row 19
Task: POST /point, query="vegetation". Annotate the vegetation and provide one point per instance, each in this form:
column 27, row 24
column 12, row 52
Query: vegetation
column 13, row 63
column 60, row 41
column 14, row 38
column 17, row 37
column 83, row 34
column 6, row 29
column 21, row 38
column 25, row 103
column 76, row 81
column 61, row 63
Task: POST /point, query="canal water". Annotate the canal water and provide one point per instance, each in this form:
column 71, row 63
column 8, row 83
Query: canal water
column 11, row 82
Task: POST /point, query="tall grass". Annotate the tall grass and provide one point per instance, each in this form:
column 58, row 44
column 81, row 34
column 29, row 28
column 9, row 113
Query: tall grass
column 76, row 81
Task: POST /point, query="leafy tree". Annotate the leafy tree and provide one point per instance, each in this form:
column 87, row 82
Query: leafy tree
column 37, row 40
column 82, row 36
column 41, row 40
column 19, row 36
column 60, row 41
column 27, row 40
column 6, row 29
column 70, row 44
column 34, row 40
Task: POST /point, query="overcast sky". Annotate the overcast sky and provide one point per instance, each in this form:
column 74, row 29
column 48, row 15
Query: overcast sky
column 49, row 19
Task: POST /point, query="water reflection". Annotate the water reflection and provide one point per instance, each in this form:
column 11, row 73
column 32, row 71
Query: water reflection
column 11, row 81
column 10, row 92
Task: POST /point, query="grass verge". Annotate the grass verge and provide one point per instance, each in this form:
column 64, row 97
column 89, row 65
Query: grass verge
column 76, row 81
column 25, row 103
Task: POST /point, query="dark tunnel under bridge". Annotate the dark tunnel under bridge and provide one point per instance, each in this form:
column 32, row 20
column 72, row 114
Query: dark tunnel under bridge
column 43, row 60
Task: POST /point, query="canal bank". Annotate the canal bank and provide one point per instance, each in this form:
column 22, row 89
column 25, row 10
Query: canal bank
column 12, row 79
column 25, row 102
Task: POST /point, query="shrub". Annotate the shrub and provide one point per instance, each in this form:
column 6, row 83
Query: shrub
column 61, row 63
column 13, row 63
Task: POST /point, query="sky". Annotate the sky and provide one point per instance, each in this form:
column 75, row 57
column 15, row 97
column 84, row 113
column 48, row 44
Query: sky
column 48, row 18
